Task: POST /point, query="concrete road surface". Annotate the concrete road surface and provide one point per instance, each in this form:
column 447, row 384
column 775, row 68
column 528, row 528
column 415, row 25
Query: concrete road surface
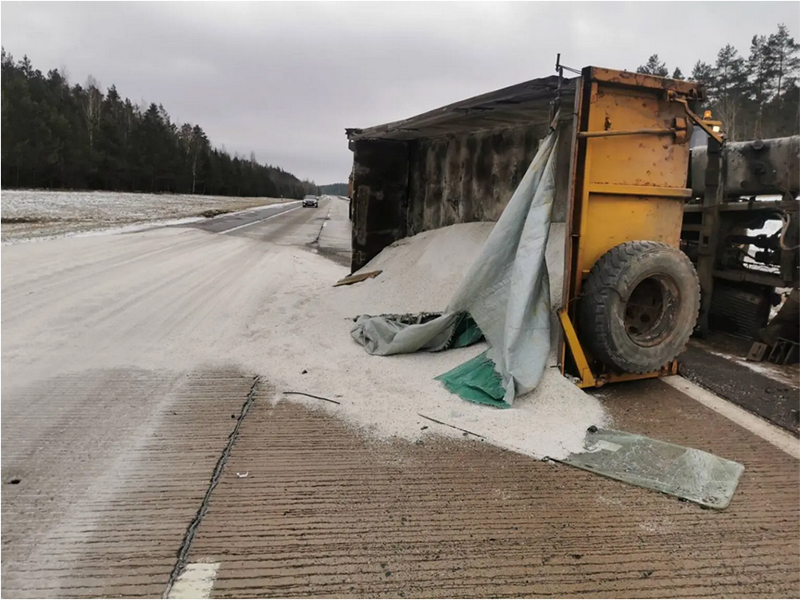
column 120, row 390
column 142, row 454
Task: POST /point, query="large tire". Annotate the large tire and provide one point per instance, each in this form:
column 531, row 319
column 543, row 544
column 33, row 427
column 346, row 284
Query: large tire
column 639, row 306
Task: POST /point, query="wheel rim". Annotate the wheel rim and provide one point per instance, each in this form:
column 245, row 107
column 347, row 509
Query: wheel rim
column 651, row 310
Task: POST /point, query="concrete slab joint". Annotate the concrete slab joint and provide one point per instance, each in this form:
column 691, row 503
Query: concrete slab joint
column 187, row 580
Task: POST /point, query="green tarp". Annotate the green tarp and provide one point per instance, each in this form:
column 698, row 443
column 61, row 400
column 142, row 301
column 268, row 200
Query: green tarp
column 477, row 381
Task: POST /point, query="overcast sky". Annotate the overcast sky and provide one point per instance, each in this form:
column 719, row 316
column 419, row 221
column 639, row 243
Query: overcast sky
column 284, row 79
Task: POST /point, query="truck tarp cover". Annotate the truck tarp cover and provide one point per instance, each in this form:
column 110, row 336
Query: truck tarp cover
column 507, row 294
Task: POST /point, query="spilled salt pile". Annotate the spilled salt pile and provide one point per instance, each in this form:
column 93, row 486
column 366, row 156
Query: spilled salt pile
column 385, row 396
column 420, row 273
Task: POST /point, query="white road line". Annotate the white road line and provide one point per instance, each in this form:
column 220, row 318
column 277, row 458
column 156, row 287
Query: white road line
column 259, row 207
column 257, row 221
column 763, row 429
column 195, row 581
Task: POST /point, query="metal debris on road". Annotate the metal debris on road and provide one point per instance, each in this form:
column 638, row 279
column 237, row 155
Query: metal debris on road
column 313, row 396
column 687, row 473
column 451, row 426
column 351, row 279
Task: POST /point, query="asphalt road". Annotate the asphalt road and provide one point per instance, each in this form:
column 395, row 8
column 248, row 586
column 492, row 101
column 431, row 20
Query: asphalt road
column 144, row 451
column 291, row 224
column 229, row 223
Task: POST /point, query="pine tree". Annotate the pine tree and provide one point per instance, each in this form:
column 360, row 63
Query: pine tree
column 702, row 72
column 782, row 73
column 113, row 142
column 784, row 62
column 728, row 88
column 654, row 66
column 758, row 64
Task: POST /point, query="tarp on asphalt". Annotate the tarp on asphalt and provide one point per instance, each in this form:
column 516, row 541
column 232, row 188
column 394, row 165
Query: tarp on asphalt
column 506, row 292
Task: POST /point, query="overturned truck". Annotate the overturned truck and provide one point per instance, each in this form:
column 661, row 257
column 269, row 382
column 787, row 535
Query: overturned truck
column 633, row 204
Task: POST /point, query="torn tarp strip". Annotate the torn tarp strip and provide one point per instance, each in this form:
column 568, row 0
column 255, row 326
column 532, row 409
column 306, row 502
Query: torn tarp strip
column 385, row 335
column 477, row 381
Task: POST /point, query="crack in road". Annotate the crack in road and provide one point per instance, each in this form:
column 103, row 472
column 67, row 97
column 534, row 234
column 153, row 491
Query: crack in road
column 191, row 530
column 315, row 242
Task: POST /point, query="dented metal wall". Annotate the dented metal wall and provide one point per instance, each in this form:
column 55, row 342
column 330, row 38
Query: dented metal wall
column 404, row 188
column 753, row 167
column 380, row 197
column 467, row 178
column 456, row 164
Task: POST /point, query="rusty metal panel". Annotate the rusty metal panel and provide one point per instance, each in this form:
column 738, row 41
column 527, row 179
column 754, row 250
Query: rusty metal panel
column 646, row 160
column 631, row 164
column 629, row 171
column 690, row 89
column 380, row 184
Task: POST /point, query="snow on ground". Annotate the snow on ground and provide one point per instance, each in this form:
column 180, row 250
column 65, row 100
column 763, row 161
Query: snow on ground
column 775, row 372
column 37, row 214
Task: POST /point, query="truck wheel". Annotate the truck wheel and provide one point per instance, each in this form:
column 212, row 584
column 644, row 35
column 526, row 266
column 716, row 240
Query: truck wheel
column 639, row 306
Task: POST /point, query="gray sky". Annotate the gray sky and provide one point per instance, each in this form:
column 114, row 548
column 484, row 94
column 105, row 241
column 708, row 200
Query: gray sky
column 285, row 79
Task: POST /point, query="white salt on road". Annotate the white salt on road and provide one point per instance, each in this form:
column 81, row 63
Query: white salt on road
column 177, row 299
column 421, row 274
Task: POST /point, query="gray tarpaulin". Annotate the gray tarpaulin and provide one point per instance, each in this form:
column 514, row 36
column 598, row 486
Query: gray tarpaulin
column 506, row 291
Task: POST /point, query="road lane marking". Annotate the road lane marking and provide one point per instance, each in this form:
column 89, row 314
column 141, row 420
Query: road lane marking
column 283, row 212
column 195, row 581
column 763, row 429
column 255, row 208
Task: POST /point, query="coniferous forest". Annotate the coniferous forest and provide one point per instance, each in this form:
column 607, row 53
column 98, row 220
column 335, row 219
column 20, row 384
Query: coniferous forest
column 58, row 135
column 755, row 94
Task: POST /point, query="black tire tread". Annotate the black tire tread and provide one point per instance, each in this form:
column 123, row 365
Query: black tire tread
column 600, row 285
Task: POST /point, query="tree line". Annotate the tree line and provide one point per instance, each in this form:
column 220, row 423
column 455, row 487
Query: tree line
column 334, row 189
column 755, row 96
column 62, row 136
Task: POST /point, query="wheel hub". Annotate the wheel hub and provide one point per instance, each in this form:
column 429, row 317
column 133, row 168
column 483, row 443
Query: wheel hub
column 650, row 310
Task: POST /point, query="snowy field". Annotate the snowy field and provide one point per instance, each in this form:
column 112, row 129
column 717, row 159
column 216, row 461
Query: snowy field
column 30, row 214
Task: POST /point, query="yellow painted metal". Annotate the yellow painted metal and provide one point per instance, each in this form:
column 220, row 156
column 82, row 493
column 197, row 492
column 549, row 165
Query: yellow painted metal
column 629, row 176
column 669, row 369
column 687, row 89
column 602, row 220
column 657, row 219
column 640, row 190
column 584, row 372
column 587, row 378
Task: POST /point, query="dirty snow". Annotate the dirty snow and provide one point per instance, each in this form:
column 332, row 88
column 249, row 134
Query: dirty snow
column 37, row 214
column 770, row 370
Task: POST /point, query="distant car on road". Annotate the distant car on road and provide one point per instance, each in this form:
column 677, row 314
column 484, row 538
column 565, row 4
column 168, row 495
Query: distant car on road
column 311, row 201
